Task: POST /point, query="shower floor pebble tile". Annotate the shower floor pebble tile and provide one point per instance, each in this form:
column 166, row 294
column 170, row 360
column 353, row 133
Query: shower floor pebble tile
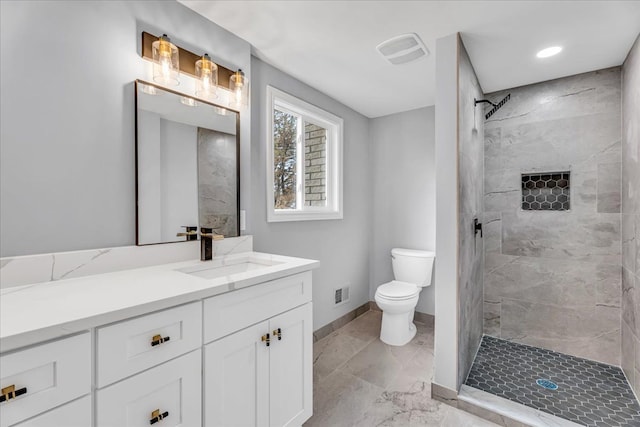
column 360, row 381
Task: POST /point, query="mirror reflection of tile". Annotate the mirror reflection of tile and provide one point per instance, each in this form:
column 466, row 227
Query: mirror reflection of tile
column 217, row 181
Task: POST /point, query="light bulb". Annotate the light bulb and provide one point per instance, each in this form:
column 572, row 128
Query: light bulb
column 207, row 74
column 238, row 86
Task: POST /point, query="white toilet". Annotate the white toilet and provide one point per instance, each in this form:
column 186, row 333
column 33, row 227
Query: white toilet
column 397, row 299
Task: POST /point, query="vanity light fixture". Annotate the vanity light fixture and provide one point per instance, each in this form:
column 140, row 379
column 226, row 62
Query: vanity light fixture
column 238, row 84
column 549, row 51
column 207, row 75
column 166, row 62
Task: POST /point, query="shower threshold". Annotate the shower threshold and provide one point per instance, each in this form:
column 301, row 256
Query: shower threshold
column 583, row 391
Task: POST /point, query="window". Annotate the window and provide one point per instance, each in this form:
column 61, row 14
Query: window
column 304, row 160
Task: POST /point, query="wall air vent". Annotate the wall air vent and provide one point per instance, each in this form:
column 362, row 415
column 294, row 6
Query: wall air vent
column 403, row 49
column 341, row 295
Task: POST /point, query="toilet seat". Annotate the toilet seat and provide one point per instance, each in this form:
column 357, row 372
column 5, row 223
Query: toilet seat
column 397, row 291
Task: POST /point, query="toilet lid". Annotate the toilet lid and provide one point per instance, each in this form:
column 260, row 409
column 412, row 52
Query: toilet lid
column 398, row 290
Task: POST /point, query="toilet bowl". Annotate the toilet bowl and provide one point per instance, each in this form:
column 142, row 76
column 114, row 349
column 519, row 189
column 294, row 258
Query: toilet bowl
column 397, row 299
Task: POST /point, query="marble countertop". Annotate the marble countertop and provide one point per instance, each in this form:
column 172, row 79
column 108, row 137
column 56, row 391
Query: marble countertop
column 43, row 311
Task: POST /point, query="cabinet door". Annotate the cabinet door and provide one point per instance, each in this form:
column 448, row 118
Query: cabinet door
column 291, row 365
column 74, row 414
column 168, row 395
column 236, row 379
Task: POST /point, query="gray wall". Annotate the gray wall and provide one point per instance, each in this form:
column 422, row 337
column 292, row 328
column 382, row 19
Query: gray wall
column 404, row 204
column 631, row 217
column 342, row 246
column 470, row 190
column 67, row 114
column 552, row 278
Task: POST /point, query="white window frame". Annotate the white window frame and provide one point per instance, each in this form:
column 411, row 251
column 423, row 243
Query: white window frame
column 307, row 113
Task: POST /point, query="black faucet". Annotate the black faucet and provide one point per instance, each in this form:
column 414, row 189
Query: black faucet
column 206, row 243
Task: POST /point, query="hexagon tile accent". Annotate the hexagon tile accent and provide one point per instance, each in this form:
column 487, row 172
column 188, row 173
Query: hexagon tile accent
column 546, row 191
column 589, row 393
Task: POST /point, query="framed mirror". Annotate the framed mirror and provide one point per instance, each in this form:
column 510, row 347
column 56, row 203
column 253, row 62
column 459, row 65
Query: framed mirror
column 187, row 166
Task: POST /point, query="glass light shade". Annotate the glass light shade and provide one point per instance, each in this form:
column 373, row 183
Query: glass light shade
column 189, row 102
column 207, row 74
column 148, row 89
column 238, row 85
column 166, row 62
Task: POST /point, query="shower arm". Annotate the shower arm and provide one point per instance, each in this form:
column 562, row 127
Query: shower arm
column 479, row 101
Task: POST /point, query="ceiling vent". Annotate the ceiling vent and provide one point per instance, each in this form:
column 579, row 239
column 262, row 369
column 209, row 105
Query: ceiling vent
column 403, row 49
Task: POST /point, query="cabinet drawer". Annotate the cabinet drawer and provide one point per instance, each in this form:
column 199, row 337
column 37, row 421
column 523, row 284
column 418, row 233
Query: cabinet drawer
column 173, row 389
column 52, row 374
column 227, row 313
column 129, row 347
column 74, row 414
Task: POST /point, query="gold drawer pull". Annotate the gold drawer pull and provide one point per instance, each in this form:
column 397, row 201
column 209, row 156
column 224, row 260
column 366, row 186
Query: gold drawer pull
column 278, row 333
column 10, row 392
column 157, row 340
column 266, row 339
column 157, row 416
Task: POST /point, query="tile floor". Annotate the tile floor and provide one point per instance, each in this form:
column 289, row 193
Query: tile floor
column 589, row 393
column 359, row 381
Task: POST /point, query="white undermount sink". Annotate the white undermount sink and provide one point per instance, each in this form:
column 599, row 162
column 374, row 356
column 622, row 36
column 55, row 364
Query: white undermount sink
column 215, row 269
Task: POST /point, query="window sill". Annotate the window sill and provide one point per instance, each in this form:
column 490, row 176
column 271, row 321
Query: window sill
column 302, row 216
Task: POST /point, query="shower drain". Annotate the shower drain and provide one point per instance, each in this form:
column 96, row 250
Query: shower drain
column 548, row 384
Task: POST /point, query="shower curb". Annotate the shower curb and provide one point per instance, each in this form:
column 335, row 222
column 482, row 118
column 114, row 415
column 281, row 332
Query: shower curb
column 505, row 412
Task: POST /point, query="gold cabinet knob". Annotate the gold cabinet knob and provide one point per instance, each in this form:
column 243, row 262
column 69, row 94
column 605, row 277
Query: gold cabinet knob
column 266, row 339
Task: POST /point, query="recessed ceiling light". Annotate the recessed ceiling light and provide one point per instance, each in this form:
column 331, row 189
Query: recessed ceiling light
column 550, row 51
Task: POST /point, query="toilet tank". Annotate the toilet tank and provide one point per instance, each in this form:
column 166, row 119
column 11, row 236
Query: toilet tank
column 412, row 266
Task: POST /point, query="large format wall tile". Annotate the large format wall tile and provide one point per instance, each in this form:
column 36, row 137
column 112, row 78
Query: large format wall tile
column 629, row 243
column 588, row 237
column 609, row 183
column 588, row 332
column 630, row 301
column 555, row 281
column 579, row 95
column 627, row 357
column 630, row 199
column 637, row 250
column 470, row 207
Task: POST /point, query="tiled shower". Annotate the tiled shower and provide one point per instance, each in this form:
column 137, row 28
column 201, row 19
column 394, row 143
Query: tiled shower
column 552, row 277
column 561, row 244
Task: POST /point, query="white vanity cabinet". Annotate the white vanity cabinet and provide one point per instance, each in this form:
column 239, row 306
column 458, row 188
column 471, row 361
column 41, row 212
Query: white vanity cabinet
column 42, row 377
column 240, row 356
column 260, row 375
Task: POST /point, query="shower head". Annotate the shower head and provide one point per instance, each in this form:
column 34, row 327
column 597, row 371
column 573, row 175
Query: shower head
column 495, row 108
